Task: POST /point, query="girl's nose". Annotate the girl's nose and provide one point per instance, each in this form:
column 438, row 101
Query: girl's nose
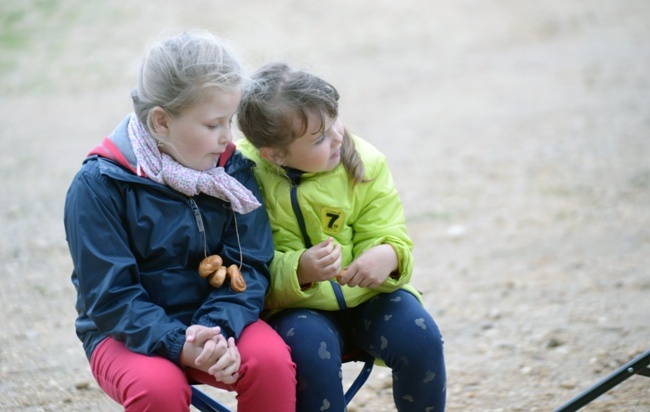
column 338, row 130
column 338, row 138
column 226, row 136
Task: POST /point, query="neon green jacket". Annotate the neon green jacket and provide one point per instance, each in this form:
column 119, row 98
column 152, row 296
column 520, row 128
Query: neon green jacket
column 357, row 217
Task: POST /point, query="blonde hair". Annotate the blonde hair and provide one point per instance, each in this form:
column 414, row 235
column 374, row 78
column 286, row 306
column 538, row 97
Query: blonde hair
column 176, row 72
column 276, row 97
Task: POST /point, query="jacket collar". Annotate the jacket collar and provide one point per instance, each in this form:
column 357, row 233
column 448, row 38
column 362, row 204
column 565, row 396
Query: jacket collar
column 117, row 147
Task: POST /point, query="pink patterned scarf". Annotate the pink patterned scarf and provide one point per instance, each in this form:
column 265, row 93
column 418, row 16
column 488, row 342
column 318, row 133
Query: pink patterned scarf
column 162, row 168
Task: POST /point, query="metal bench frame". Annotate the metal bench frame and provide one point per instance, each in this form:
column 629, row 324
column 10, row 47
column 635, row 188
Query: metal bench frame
column 637, row 366
column 204, row 403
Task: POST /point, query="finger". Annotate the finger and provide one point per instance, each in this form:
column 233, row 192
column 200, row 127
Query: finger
column 213, row 349
column 190, row 333
column 365, row 282
column 332, row 257
column 227, row 373
column 207, row 352
column 234, row 351
column 228, row 380
column 347, row 274
column 229, row 362
column 327, row 260
column 336, row 255
column 226, row 366
column 333, row 271
column 231, row 344
column 218, row 370
column 353, row 278
column 324, row 244
column 205, row 333
column 339, row 260
column 193, row 331
column 234, row 377
column 323, row 249
column 230, row 352
column 331, row 245
column 339, row 276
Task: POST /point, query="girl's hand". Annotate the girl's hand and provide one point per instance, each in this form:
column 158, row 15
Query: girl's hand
column 226, row 369
column 203, row 347
column 320, row 262
column 371, row 268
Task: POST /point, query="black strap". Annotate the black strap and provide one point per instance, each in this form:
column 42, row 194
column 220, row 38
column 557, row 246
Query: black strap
column 294, row 176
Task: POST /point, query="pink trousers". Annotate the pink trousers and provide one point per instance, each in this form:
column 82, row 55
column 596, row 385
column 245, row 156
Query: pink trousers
column 152, row 383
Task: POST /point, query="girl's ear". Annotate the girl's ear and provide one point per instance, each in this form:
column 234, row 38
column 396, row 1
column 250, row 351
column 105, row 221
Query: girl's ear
column 159, row 120
column 271, row 155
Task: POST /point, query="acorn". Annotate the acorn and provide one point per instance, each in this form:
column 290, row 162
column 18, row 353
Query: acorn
column 340, row 275
column 212, row 268
column 237, row 282
column 216, row 279
column 209, row 265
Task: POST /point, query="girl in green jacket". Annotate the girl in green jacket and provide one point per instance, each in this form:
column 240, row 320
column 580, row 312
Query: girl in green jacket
column 342, row 265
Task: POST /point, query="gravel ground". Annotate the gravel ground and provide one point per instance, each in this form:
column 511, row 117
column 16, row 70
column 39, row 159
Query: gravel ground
column 518, row 134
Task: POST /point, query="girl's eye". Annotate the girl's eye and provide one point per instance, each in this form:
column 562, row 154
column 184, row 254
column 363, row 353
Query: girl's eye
column 321, row 139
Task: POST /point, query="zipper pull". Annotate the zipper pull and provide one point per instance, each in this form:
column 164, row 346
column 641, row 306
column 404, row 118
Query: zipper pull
column 197, row 215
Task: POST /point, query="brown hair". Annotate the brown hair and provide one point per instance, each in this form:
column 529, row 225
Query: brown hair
column 276, row 97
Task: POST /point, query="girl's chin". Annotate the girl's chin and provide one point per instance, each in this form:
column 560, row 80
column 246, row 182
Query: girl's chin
column 334, row 163
column 206, row 166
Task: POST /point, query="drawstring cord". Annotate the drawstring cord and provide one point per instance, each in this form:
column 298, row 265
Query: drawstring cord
column 241, row 253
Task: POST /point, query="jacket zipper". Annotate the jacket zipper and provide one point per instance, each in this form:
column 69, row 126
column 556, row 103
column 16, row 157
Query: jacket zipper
column 199, row 224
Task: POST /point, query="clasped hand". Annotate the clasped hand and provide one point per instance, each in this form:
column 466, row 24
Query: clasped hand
column 207, row 350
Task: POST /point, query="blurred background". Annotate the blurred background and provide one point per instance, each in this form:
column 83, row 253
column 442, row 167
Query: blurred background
column 517, row 133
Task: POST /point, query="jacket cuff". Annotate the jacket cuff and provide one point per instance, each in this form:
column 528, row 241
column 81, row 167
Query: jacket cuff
column 174, row 346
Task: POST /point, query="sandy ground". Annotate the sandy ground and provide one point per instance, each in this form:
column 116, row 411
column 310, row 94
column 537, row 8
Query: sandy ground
column 518, row 133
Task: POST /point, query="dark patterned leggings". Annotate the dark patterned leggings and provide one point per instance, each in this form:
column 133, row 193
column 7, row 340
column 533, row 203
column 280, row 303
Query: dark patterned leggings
column 392, row 327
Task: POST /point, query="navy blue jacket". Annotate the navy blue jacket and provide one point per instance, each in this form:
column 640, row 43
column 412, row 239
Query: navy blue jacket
column 136, row 247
